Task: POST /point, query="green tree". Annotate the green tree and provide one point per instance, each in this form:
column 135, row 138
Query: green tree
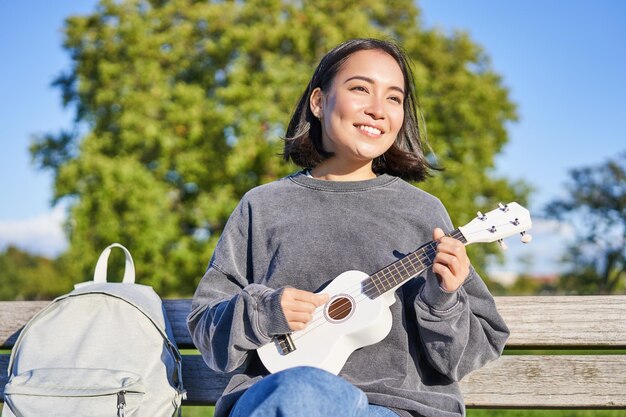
column 595, row 203
column 180, row 106
column 528, row 285
column 26, row 277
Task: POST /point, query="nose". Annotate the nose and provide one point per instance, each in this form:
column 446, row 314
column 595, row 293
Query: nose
column 375, row 108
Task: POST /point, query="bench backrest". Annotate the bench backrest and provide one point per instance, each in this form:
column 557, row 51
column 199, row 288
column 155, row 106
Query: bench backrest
column 593, row 328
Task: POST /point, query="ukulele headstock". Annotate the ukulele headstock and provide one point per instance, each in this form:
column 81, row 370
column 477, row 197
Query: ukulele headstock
column 498, row 224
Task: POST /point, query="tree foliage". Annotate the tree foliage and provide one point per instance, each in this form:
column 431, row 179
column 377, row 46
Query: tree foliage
column 180, row 106
column 25, row 277
column 595, row 203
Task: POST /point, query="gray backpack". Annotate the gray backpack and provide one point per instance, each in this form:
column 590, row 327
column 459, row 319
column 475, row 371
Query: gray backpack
column 104, row 349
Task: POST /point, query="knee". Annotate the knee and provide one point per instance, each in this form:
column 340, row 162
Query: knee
column 310, row 380
column 309, row 387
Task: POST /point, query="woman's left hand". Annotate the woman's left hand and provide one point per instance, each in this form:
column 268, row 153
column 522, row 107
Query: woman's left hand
column 451, row 264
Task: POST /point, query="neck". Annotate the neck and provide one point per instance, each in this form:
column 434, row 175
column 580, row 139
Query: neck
column 331, row 170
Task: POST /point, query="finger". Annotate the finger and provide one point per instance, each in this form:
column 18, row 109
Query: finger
column 451, row 245
column 454, row 248
column 303, row 295
column 308, row 297
column 450, row 270
column 450, row 261
column 447, row 281
column 449, row 278
column 298, row 320
column 321, row 299
column 296, row 325
column 297, row 306
column 298, row 317
column 443, row 272
column 438, row 233
column 294, row 300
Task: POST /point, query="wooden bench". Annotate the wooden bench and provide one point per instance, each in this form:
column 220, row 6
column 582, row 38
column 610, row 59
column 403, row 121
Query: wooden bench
column 591, row 374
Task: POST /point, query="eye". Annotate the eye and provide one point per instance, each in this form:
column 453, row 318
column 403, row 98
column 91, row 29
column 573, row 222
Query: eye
column 397, row 99
column 359, row 88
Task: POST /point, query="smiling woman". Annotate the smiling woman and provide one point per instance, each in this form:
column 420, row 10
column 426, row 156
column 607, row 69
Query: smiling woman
column 355, row 133
column 376, row 73
column 361, row 115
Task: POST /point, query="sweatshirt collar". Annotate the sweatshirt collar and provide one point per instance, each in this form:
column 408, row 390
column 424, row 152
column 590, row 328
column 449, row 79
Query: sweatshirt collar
column 301, row 178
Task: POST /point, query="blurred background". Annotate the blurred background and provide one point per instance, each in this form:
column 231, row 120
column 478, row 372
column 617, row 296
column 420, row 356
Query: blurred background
column 144, row 122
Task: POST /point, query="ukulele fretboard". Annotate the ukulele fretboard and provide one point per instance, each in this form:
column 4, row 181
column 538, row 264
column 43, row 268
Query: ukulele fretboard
column 400, row 271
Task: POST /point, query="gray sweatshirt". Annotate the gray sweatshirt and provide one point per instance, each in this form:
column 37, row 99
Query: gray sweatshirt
column 303, row 232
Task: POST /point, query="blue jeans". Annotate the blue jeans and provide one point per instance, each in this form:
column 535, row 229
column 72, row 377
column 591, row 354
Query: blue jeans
column 306, row 392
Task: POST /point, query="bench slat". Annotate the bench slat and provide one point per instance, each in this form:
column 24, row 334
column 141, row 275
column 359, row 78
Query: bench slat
column 577, row 381
column 513, row 381
column 565, row 321
column 550, row 321
column 558, row 381
column 15, row 314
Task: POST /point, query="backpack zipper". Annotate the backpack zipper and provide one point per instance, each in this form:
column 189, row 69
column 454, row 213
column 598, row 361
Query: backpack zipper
column 121, row 403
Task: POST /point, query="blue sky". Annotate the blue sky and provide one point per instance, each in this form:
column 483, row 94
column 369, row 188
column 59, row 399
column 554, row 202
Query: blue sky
column 563, row 62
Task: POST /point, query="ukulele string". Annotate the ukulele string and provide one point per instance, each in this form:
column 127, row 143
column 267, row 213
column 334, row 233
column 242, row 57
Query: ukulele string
column 425, row 251
column 358, row 293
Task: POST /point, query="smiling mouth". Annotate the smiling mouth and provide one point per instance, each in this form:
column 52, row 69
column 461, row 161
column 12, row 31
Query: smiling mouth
column 370, row 129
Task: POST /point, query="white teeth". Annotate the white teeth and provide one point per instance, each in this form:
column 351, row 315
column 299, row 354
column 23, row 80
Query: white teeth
column 370, row 129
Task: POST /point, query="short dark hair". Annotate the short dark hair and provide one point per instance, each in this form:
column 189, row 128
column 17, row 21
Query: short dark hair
column 405, row 158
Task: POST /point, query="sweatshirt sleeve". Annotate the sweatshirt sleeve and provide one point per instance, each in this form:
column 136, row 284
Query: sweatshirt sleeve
column 230, row 313
column 459, row 331
column 461, row 336
column 227, row 320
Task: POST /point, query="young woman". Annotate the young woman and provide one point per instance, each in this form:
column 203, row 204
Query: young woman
column 355, row 132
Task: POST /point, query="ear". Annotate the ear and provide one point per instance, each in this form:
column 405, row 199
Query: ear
column 315, row 102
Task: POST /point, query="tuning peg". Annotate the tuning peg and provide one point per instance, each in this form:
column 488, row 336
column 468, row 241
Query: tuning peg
column 503, row 207
column 502, row 244
column 481, row 216
column 526, row 238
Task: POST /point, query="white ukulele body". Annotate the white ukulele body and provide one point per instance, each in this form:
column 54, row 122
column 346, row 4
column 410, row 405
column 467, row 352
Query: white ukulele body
column 327, row 342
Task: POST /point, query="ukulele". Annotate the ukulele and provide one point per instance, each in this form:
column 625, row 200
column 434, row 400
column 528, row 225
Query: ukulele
column 357, row 313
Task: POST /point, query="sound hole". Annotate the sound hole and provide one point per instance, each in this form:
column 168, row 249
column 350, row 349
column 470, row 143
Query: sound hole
column 340, row 308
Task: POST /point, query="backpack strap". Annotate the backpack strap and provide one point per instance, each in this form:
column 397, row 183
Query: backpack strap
column 100, row 275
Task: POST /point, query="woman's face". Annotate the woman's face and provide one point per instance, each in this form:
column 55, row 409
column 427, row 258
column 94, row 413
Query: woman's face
column 362, row 111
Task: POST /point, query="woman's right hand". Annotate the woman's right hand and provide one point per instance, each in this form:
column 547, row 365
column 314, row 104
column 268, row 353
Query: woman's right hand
column 299, row 305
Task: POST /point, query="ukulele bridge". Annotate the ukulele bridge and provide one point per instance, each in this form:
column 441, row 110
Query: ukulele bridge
column 284, row 344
